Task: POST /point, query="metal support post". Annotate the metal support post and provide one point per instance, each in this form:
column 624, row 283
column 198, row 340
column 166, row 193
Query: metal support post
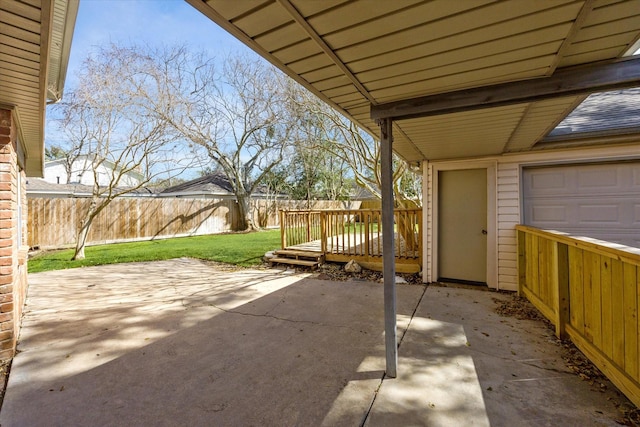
column 388, row 249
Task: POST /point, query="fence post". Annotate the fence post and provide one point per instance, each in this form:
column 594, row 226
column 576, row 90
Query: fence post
column 367, row 231
column 323, row 231
column 522, row 260
column 420, row 238
column 283, row 230
column 560, row 266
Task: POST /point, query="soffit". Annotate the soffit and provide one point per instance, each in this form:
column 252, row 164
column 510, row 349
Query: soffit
column 27, row 40
column 356, row 53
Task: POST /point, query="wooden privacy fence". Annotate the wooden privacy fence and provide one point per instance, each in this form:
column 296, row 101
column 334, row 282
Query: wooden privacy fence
column 53, row 222
column 590, row 290
column 346, row 234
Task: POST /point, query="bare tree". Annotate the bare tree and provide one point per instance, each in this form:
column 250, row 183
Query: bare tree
column 71, row 150
column 105, row 118
column 361, row 152
column 237, row 114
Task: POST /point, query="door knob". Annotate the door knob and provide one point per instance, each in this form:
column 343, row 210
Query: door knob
column 484, row 232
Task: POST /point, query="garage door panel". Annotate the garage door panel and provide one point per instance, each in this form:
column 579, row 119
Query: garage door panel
column 598, row 215
column 582, row 212
column 600, row 201
column 548, row 182
column 589, row 180
column 552, row 214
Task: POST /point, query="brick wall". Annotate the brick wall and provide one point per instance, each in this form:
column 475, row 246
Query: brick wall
column 13, row 249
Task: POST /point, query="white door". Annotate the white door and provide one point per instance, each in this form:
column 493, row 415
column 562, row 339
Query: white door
column 462, row 225
column 594, row 200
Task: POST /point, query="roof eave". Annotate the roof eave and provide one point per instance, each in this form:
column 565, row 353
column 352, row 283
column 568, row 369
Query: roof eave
column 52, row 75
column 62, row 29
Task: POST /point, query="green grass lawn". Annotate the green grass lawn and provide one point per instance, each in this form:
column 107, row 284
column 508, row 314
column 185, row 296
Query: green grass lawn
column 244, row 249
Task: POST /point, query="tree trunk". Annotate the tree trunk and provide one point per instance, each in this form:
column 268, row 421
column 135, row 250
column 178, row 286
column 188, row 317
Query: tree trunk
column 85, row 226
column 82, row 239
column 244, row 211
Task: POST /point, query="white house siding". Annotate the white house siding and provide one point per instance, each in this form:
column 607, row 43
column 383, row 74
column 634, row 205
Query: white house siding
column 82, row 173
column 508, row 198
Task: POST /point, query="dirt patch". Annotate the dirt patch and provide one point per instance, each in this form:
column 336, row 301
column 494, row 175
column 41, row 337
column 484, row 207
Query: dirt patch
column 5, row 366
column 331, row 271
column 520, row 308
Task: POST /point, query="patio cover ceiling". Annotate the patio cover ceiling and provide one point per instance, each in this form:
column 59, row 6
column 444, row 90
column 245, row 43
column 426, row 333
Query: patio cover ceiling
column 35, row 40
column 359, row 55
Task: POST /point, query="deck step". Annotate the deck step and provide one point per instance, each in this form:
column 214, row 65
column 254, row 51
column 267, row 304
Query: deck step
column 296, row 253
column 298, row 257
column 294, row 261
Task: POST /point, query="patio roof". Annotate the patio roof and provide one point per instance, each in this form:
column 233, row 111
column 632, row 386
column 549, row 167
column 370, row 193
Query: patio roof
column 35, row 39
column 355, row 57
column 443, row 79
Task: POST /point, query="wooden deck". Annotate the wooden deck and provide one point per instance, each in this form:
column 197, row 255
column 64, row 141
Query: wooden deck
column 344, row 235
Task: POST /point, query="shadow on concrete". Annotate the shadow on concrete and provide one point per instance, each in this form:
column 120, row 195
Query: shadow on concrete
column 149, row 347
column 181, row 342
column 460, row 363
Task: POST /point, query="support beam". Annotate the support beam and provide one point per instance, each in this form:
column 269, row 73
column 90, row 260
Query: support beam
column 580, row 80
column 388, row 249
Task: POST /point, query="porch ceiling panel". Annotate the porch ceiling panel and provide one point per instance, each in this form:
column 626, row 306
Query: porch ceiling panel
column 354, row 54
column 464, row 134
column 538, row 120
column 610, row 28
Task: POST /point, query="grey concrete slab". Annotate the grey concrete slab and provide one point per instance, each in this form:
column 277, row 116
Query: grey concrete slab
column 462, row 364
column 179, row 342
column 182, row 342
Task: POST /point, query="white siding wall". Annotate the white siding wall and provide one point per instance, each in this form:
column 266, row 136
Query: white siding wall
column 508, row 199
column 82, row 173
column 55, row 174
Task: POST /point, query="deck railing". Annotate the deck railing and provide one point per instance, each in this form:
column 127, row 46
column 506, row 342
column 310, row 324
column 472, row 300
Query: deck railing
column 590, row 290
column 343, row 235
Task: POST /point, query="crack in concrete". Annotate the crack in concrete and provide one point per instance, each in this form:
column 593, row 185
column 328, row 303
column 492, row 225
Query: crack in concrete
column 384, row 375
column 282, row 319
column 523, row 362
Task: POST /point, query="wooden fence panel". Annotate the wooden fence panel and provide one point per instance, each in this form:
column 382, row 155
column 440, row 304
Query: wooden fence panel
column 53, row 222
column 630, row 320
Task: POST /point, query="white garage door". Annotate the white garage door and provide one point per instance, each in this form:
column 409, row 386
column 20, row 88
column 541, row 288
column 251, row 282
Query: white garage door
column 596, row 200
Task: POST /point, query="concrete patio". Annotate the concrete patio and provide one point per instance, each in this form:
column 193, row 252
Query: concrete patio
column 184, row 342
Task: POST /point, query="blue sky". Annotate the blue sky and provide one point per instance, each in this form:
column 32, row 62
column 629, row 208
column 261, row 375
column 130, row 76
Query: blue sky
column 153, row 22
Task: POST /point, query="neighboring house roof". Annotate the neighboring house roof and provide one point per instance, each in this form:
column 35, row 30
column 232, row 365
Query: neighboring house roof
column 359, row 193
column 36, row 39
column 611, row 113
column 215, row 184
column 38, row 186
